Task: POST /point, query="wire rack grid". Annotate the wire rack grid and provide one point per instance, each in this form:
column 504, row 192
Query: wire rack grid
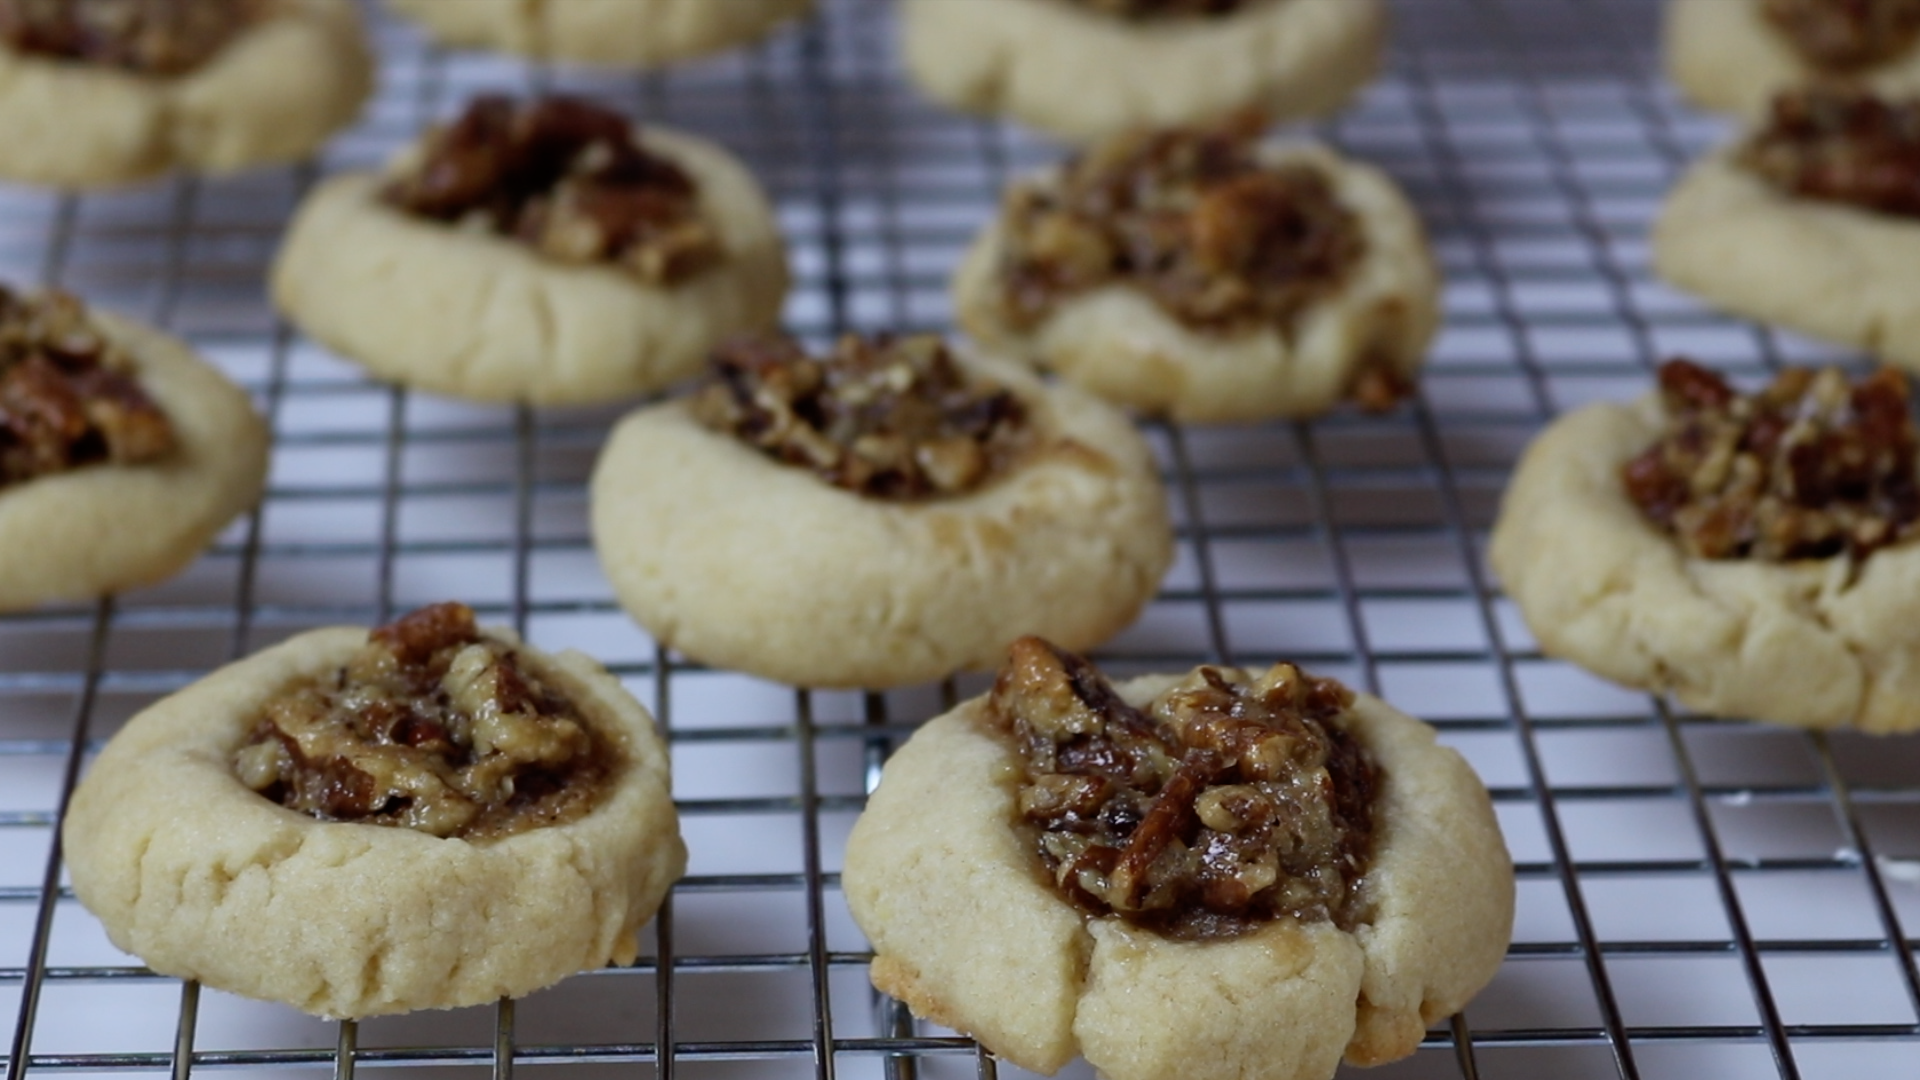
column 1698, row 899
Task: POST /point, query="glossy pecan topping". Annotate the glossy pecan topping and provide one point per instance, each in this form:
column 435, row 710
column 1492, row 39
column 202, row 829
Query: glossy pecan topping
column 569, row 179
column 1166, row 9
column 147, row 37
column 894, row 418
column 1844, row 36
column 430, row 726
column 1190, row 217
column 1810, row 467
column 1224, row 803
column 68, row 395
column 1841, row 146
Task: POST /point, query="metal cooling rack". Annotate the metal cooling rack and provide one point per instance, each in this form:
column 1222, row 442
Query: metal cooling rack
column 1698, row 899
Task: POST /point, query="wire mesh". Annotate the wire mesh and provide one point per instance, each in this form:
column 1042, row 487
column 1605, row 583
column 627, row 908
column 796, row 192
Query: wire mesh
column 1697, row 898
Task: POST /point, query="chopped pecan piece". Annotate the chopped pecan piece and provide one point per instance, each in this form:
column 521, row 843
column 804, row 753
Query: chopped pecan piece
column 68, row 396
column 147, row 37
column 895, row 418
column 1222, row 804
column 1841, row 146
column 1143, row 10
column 569, row 179
column 1845, row 36
column 1192, row 218
column 431, row 726
column 1808, row 468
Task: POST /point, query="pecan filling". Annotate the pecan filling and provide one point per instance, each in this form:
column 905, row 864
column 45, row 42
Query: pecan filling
column 146, row 37
column 893, row 418
column 567, row 178
column 1144, row 10
column 1808, row 468
column 1223, row 804
column 68, row 396
column 1190, row 217
column 1841, row 146
column 1844, row 36
column 432, row 727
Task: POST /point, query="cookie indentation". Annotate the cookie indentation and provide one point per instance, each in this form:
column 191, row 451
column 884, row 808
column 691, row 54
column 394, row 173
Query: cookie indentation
column 893, row 418
column 145, row 37
column 1807, row 468
column 1192, row 218
column 1222, row 804
column 432, row 726
column 1845, row 36
column 569, row 179
column 1842, row 146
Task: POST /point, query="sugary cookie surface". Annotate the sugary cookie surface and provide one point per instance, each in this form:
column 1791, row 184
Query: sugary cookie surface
column 893, row 418
column 1840, row 145
column 1166, row 9
column 1842, row 36
column 147, row 37
column 68, row 395
column 569, row 179
column 1192, row 218
column 431, row 726
column 1222, row 804
column 1810, row 467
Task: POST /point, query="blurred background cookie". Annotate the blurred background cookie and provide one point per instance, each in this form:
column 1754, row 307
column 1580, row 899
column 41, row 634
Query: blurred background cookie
column 97, row 92
column 122, row 453
column 1197, row 273
column 1811, row 222
column 1089, row 69
column 544, row 252
column 1735, row 55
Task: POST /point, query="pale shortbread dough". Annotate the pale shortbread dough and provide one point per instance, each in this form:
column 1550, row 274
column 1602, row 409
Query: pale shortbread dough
column 204, row 879
column 272, row 95
column 1827, row 269
column 1118, row 343
column 1083, row 76
column 485, row 317
column 742, row 562
column 1725, row 56
column 1803, row 642
column 968, row 933
column 108, row 528
column 632, row 33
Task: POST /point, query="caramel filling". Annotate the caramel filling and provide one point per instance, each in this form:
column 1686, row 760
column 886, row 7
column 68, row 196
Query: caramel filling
column 1808, row 468
column 1223, row 804
column 1846, row 36
column 146, row 37
column 68, row 396
column 1191, row 218
column 568, row 179
column 1840, row 146
column 430, row 726
column 891, row 418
